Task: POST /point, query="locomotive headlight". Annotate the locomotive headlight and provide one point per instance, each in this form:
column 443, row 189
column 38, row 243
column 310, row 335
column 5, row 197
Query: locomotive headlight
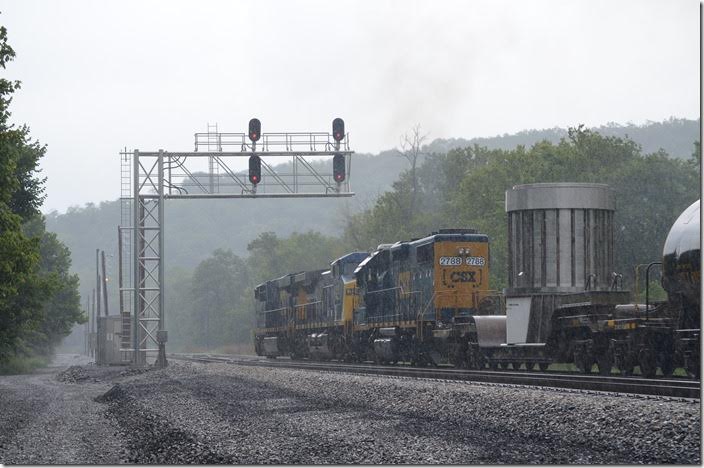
column 461, row 251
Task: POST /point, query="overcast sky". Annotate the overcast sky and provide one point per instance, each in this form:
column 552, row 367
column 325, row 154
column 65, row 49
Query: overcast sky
column 98, row 76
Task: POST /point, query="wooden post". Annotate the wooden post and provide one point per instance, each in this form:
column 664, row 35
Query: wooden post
column 97, row 282
column 105, row 283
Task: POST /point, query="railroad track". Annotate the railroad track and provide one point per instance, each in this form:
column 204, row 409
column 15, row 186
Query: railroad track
column 672, row 387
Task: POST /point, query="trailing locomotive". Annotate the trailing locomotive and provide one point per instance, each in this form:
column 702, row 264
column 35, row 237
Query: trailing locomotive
column 409, row 301
column 428, row 301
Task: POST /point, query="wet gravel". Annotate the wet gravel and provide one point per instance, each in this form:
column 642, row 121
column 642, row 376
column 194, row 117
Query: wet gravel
column 49, row 417
column 222, row 413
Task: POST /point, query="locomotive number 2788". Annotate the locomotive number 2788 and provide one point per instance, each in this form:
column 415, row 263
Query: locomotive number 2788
column 457, row 261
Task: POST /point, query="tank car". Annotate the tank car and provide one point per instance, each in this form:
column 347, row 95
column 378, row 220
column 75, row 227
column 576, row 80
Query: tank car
column 681, row 279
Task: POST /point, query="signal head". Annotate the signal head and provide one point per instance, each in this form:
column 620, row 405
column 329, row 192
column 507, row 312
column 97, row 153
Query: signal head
column 338, row 167
column 255, row 129
column 338, row 129
column 255, row 169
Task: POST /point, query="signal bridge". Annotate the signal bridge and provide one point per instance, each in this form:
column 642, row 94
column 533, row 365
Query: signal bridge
column 151, row 177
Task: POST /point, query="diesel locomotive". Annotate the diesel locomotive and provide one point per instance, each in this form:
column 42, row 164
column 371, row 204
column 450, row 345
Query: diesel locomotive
column 409, row 301
column 428, row 301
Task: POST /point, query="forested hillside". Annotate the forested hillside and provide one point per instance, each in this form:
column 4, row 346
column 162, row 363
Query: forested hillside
column 459, row 183
column 675, row 136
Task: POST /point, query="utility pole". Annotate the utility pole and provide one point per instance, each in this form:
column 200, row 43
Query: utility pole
column 92, row 327
column 97, row 280
column 105, row 283
column 86, row 329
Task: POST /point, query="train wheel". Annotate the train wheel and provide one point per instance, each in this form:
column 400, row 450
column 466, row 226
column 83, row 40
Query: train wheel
column 666, row 364
column 493, row 365
column 624, row 364
column 694, row 370
column 543, row 366
column 646, row 361
column 605, row 362
column 583, row 362
column 516, row 365
column 626, row 370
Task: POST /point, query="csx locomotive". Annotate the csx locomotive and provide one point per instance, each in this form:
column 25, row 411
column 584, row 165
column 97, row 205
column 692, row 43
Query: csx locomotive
column 428, row 301
column 408, row 301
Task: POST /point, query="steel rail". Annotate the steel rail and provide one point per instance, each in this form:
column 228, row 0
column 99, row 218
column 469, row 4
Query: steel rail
column 678, row 388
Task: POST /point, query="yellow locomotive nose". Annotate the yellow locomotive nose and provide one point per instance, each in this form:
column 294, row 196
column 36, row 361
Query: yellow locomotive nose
column 460, row 274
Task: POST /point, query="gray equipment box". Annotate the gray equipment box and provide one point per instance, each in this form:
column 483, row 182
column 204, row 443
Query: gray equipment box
column 108, row 346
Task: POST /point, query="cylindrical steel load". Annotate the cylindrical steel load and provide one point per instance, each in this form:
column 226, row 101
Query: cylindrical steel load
column 560, row 237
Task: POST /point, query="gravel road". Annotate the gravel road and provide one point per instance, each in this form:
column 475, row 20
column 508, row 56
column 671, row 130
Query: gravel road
column 222, row 413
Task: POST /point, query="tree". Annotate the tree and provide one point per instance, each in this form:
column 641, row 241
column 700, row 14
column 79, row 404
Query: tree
column 411, row 144
column 21, row 292
column 271, row 257
column 212, row 308
column 62, row 308
column 38, row 296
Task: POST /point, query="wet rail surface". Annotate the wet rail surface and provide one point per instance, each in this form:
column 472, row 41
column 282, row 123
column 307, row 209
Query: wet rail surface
column 665, row 387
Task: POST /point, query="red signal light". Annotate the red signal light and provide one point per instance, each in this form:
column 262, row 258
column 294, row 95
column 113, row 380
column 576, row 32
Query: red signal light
column 255, row 129
column 255, row 169
column 338, row 167
column 338, row 129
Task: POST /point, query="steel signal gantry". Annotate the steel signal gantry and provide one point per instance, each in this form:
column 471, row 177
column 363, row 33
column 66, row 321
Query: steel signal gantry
column 151, row 177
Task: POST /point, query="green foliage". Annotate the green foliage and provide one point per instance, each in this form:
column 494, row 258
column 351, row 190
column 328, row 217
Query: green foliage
column 271, row 257
column 22, row 364
column 21, row 290
column 38, row 296
column 211, row 308
column 7, row 87
column 62, row 310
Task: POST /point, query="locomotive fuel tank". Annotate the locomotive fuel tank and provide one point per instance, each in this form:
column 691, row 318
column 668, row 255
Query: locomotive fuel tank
column 271, row 346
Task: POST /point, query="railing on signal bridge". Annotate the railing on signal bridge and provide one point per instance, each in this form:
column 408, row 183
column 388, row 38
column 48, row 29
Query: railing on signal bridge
column 288, row 141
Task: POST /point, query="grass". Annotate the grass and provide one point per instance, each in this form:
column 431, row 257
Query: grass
column 22, row 365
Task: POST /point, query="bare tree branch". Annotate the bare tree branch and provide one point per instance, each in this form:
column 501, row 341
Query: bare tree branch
column 411, row 144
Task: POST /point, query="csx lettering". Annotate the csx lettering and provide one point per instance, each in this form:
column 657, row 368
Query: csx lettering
column 463, row 277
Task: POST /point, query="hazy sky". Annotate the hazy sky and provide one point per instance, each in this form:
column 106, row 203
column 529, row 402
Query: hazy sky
column 102, row 75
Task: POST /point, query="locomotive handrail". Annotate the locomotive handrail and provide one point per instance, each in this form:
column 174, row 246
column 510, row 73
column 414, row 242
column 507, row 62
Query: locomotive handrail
column 308, row 303
column 422, row 314
column 271, row 311
column 384, row 290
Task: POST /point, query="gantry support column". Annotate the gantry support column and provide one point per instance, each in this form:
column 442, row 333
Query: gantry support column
column 149, row 334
